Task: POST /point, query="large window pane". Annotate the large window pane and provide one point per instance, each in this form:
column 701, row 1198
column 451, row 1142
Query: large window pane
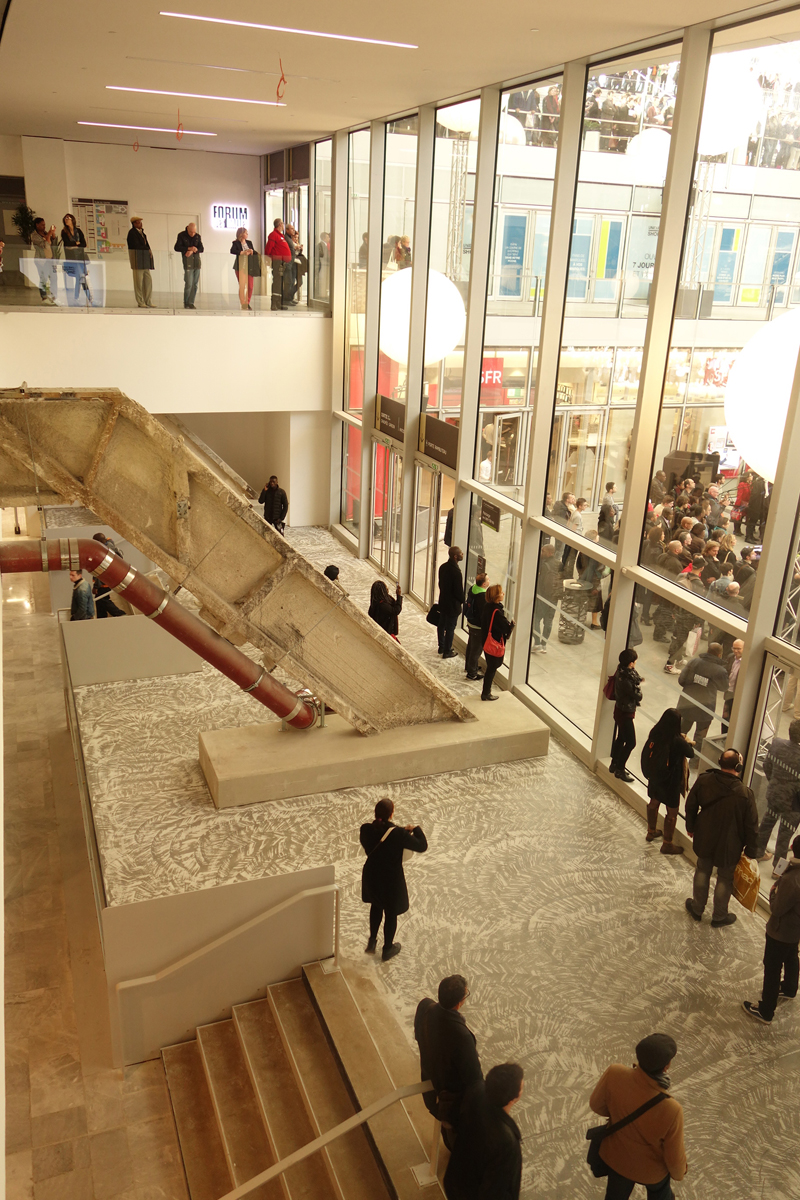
column 777, row 763
column 322, row 221
column 494, row 537
column 358, row 160
column 351, row 477
column 397, row 255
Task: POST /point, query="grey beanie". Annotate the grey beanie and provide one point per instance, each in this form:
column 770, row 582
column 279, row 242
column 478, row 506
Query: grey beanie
column 654, row 1052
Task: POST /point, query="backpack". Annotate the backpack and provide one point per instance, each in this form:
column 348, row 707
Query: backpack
column 648, row 758
column 469, row 606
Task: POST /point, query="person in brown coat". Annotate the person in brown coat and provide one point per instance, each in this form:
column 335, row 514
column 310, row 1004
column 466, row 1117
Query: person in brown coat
column 650, row 1149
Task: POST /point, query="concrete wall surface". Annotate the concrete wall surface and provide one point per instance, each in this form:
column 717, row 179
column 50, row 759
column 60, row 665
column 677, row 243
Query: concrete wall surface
column 180, row 364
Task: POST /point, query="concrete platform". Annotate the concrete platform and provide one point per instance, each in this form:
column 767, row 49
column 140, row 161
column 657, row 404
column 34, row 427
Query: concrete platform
column 255, row 763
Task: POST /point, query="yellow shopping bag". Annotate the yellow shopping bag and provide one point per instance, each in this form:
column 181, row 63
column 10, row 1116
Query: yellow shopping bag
column 746, row 883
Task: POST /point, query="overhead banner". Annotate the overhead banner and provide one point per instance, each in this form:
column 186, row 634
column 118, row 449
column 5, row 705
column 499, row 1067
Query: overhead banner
column 439, row 440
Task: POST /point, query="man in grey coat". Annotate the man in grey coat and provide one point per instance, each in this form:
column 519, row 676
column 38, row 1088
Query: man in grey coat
column 783, row 936
column 722, row 818
column 782, row 769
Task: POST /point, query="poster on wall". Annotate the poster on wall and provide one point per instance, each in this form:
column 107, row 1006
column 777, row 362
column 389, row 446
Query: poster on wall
column 721, row 443
column 105, row 224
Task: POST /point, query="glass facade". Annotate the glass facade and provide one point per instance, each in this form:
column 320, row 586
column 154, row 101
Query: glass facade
column 629, row 505
column 358, row 167
column 321, row 283
column 397, row 252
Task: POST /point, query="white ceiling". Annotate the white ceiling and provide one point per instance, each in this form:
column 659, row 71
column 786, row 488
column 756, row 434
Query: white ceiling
column 56, row 60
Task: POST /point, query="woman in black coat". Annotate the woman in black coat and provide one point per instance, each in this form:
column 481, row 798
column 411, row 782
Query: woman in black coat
column 383, row 882
column 383, row 610
column 494, row 622
column 74, row 244
column 627, row 698
column 665, row 758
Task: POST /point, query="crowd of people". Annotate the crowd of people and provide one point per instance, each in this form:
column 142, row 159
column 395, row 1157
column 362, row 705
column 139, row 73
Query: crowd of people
column 484, row 1141
column 284, row 250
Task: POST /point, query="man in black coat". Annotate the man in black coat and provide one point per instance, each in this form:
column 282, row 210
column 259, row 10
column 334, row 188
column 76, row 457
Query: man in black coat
column 451, row 596
column 189, row 245
column 448, row 1054
column 782, row 769
column 722, row 818
column 701, row 679
column 276, row 503
column 142, row 263
column 383, row 882
column 486, row 1163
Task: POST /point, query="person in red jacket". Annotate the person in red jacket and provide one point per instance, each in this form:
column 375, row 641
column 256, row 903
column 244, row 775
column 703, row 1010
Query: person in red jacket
column 278, row 251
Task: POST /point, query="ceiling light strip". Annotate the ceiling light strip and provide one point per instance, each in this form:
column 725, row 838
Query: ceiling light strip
column 147, row 128
column 337, row 37
column 111, row 87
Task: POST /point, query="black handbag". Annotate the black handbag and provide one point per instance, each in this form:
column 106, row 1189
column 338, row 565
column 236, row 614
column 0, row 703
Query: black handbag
column 433, row 615
column 598, row 1133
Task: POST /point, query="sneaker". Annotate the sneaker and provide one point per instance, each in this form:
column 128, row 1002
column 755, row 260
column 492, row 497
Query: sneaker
column 728, row 919
column 754, row 1011
column 372, row 945
column 473, row 677
column 671, row 669
column 782, row 997
column 391, row 951
column 689, row 906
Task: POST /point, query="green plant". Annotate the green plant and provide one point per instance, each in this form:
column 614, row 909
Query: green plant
column 24, row 219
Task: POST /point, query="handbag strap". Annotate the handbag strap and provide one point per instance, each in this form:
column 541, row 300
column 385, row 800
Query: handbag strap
column 651, row 1103
column 383, row 839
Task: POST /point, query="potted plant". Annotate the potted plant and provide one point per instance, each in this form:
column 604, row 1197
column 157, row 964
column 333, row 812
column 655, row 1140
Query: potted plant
column 23, row 219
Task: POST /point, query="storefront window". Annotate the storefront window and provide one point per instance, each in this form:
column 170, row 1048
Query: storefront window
column 397, row 255
column 494, row 537
column 356, row 286
column 787, row 625
column 778, row 821
column 503, row 419
column 322, row 221
column 351, row 477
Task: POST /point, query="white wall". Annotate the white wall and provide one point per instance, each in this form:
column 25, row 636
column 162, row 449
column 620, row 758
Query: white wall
column 177, row 180
column 188, row 363
column 10, row 154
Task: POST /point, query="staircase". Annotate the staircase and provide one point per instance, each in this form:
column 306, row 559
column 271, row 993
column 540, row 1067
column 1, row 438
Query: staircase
column 284, row 1070
column 159, row 486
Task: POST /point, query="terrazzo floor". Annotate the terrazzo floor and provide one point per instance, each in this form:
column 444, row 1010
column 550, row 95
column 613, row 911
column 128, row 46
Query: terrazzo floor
column 538, row 886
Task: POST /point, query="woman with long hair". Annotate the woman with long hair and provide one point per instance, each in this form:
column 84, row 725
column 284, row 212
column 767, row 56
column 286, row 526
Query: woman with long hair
column 383, row 610
column 665, row 765
column 74, row 243
column 496, row 629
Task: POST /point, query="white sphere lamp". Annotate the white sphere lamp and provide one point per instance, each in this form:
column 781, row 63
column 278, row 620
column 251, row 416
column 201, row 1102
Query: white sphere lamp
column 733, row 104
column 512, row 131
column 650, row 152
column 758, row 392
column 461, row 118
column 445, row 322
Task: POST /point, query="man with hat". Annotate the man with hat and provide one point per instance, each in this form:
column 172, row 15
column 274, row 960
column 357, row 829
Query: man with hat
column 649, row 1150
column 142, row 263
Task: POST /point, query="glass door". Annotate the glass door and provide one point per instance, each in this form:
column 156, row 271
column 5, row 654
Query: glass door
column 387, row 476
column 774, row 762
column 296, row 207
column 427, row 497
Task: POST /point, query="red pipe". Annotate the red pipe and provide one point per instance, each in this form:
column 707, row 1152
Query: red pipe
column 73, row 555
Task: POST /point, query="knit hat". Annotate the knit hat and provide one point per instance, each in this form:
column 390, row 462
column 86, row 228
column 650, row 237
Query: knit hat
column 654, row 1052
column 331, row 572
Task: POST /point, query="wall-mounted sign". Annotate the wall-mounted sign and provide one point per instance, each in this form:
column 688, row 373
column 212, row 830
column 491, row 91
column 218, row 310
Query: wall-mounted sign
column 104, row 222
column 229, row 216
column 490, row 515
column 390, row 417
column 439, row 440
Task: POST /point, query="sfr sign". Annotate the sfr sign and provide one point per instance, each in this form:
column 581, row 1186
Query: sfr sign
column 492, row 372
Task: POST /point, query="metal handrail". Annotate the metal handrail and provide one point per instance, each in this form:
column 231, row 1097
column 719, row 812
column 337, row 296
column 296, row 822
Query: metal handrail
column 372, row 1110
column 243, row 928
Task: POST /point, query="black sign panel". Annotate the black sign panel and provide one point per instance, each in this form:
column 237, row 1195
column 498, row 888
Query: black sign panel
column 390, row 418
column 490, row 515
column 439, row 441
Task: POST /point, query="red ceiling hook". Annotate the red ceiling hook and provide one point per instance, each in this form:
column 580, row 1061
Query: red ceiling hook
column 179, row 130
column 281, row 83
column 136, row 145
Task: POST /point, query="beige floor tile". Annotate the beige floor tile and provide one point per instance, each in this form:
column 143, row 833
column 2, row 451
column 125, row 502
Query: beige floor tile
column 19, row 1176
column 74, row 1185
column 104, row 1108
column 59, row 1158
column 58, row 1126
column 56, row 1084
column 112, row 1169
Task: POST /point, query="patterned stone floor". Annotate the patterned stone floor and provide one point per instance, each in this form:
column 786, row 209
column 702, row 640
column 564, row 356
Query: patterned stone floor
column 538, row 886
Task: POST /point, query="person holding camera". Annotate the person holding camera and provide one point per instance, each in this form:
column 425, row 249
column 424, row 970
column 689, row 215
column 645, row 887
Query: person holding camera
column 722, row 818
column 383, row 881
column 45, row 250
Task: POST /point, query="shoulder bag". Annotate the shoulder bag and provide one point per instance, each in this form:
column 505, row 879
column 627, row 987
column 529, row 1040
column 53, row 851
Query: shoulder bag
column 598, row 1133
column 433, row 615
column 492, row 645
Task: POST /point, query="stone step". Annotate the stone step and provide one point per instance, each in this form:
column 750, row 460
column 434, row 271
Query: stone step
column 323, row 1091
column 204, row 1160
column 399, row 1053
column 244, row 1137
column 284, row 1114
column 395, row 1139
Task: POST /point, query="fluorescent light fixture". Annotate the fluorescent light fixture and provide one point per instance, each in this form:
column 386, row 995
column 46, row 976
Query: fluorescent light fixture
column 147, row 128
column 111, row 87
column 337, row 37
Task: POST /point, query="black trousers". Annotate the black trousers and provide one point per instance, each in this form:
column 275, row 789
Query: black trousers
column 492, row 663
column 623, row 742
column 107, row 608
column 377, row 914
column 779, row 957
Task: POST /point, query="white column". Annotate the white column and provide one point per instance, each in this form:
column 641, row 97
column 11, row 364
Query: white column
column 677, row 192
column 423, row 197
column 573, row 99
column 377, row 153
column 476, row 305
column 339, row 317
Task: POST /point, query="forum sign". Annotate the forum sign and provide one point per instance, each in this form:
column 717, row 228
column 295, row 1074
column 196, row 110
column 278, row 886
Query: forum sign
column 228, row 216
